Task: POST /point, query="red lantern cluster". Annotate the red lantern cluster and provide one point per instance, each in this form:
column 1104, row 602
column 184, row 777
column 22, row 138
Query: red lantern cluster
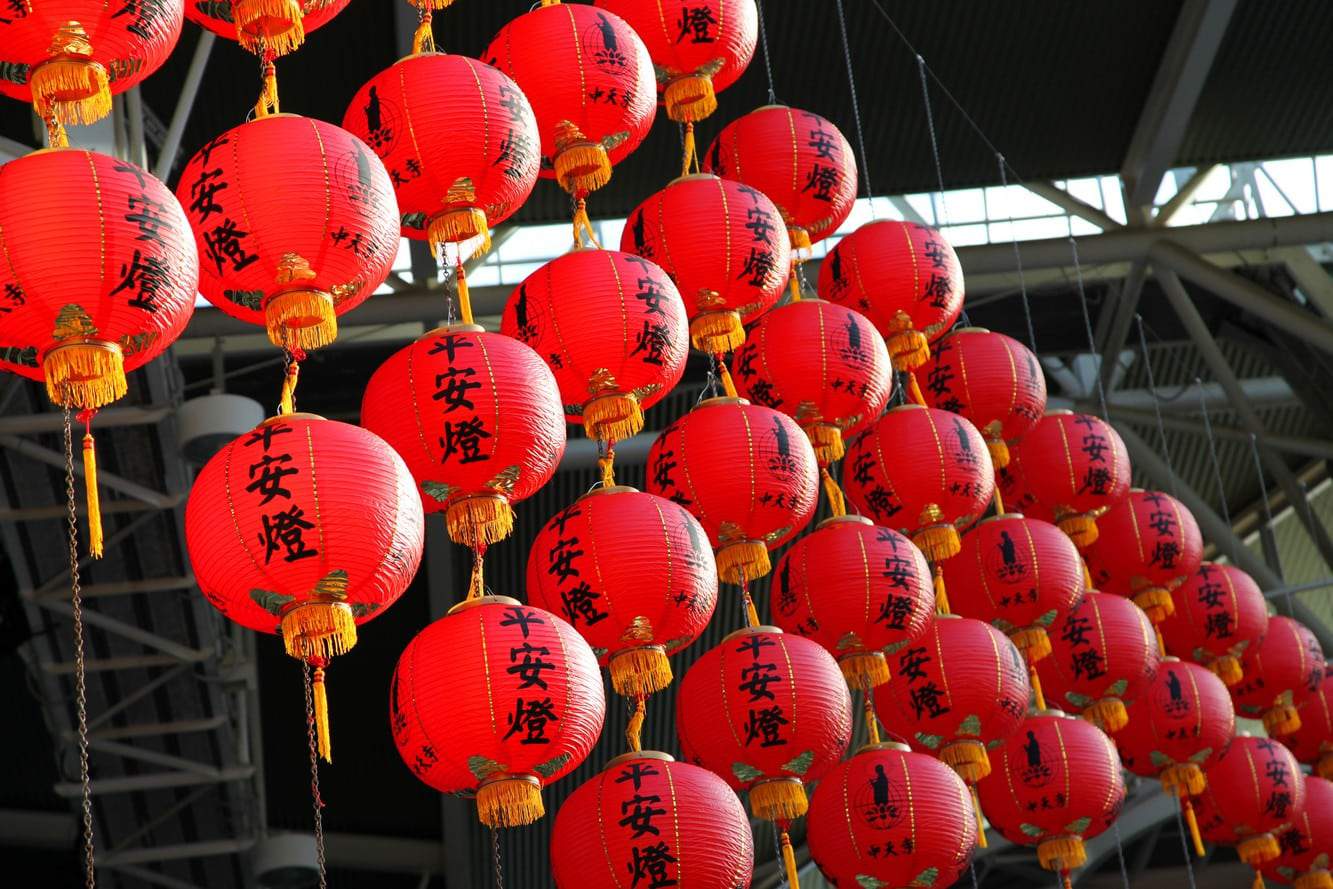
column 1312, row 743
column 1304, row 857
column 1257, row 789
column 1285, row 663
column 1147, row 545
column 1219, row 611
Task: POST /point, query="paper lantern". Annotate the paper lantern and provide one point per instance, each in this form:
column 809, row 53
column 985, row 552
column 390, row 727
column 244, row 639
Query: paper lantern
column 821, row 364
column 992, row 380
column 1305, row 847
column 1015, row 495
column 477, row 417
column 1079, row 470
column 304, row 527
column 590, row 81
column 746, row 472
column 634, row 574
column 648, row 820
column 459, row 141
column 496, row 699
column 612, row 328
column 904, row 277
column 276, row 26
column 767, row 711
column 1286, row 662
column 1057, row 784
column 1219, row 611
column 891, row 817
column 69, row 58
column 856, row 589
column 1147, row 545
column 958, row 690
column 1312, row 743
column 295, row 222
column 722, row 243
column 1103, row 654
column 798, row 159
column 1257, row 786
column 923, row 471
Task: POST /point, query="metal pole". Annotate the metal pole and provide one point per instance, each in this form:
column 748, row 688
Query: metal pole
column 171, row 143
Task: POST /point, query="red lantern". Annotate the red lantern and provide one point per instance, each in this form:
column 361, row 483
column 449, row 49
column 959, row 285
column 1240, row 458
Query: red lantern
column 891, row 817
column 1018, row 574
column 295, row 222
column 496, row 699
column 304, row 527
column 820, row 363
column 746, row 473
column 68, row 58
column 1016, row 497
column 572, row 309
column 767, row 711
column 798, row 159
column 1219, row 612
column 1079, row 470
column 276, row 26
column 1257, row 787
column 1147, row 545
column 992, row 380
column 1103, row 654
column 856, row 589
column 720, row 242
column 1286, row 662
column 646, row 817
column 634, row 574
column 1057, row 784
column 477, row 417
column 1312, row 743
column 958, row 690
column 590, row 81
column 925, row 472
column 459, row 141
column 904, row 277
column 1305, row 847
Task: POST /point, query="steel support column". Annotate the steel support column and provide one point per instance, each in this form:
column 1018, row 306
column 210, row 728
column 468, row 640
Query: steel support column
column 194, row 75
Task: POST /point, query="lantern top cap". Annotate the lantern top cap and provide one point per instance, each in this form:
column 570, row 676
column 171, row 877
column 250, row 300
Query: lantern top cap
column 483, row 600
column 694, row 177
column 836, row 520
column 1059, row 412
column 294, row 415
column 637, row 754
column 948, row 617
column 1003, row 515
column 752, row 631
column 907, row 407
column 883, row 745
column 973, row 329
column 454, row 328
column 613, row 489
column 720, row 400
column 1052, row 712
column 1170, row 659
column 774, row 106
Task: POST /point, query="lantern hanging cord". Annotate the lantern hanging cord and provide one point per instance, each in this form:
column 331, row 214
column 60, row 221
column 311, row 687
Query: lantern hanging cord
column 268, row 103
column 90, row 483
column 316, row 801
column 1212, row 452
column 476, row 587
column 856, row 108
column 751, row 613
column 868, row 707
column 1087, row 325
column 291, row 376
column 1268, row 514
column 80, row 666
column 1018, row 257
column 634, row 730
column 1120, row 853
column 1184, row 841
column 763, row 44
column 728, row 386
column 942, row 212
column 972, row 866
column 1157, row 409
column 495, row 858
column 464, row 299
column 423, row 39
column 606, row 462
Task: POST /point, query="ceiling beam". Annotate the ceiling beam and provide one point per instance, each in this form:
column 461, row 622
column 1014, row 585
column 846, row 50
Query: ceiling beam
column 194, row 75
column 1065, row 201
column 1182, row 197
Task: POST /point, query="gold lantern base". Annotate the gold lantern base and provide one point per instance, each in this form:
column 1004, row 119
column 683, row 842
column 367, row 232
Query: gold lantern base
column 640, row 671
column 743, row 560
column 479, row 520
column 612, row 417
column 716, row 333
column 85, row 373
column 300, row 319
column 690, row 98
column 275, row 25
column 968, row 758
column 779, row 799
column 1061, row 853
column 510, row 801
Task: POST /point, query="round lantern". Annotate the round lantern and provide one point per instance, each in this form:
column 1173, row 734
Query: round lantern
column 264, row 26
column 722, row 243
column 1312, row 743
column 1147, row 545
column 1219, row 611
column 571, row 311
column 820, row 363
column 1286, row 662
column 992, row 380
column 1079, row 470
column 648, row 820
column 634, row 574
column 477, row 417
column 798, row 159
column 904, row 277
column 304, row 527
column 68, row 58
column 1021, row 575
column 496, row 699
column 295, row 222
column 1103, row 654
column 924, row 471
column 591, row 84
column 1257, row 787
column 957, row 691
column 747, row 474
column 891, row 817
column 856, row 589
column 1015, row 497
column 1306, row 846
column 1057, row 784
column 458, row 139
column 768, row 712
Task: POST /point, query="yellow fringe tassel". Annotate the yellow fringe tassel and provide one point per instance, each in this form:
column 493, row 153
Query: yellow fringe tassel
column 909, row 349
column 743, row 560
column 968, row 758
column 914, row 390
column 301, row 319
column 864, row 669
column 479, row 520
column 464, row 298
column 1082, row 529
column 826, row 439
column 728, row 385
column 800, row 238
column 941, row 594
column 512, row 801
column 321, row 630
column 636, row 672
column 85, row 375
column 607, row 466
column 690, row 98
column 999, row 452
column 321, row 696
column 1033, row 642
column 690, row 151
column 976, row 812
column 458, row 226
column 72, row 89
column 1315, row 879
column 613, row 417
column 90, row 485
column 269, row 25
column 1258, row 849
column 582, row 167
column 938, row 542
column 837, row 505
column 1038, row 696
column 1062, row 853
column 789, row 862
column 423, row 38
column 999, row 501
column 1156, row 602
column 268, row 104
column 287, row 402
column 717, row 333
column 794, row 283
column 1228, row 669
column 1108, row 714
column 1184, row 777
column 634, row 731
column 1191, row 822
column 778, row 799
column 1282, row 718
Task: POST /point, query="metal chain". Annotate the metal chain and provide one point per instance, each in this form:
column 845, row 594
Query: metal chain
column 942, row 215
column 1157, row 408
column 317, row 802
column 495, row 858
column 856, row 109
column 1018, row 257
column 1212, row 452
column 768, row 63
column 1087, row 326
column 80, row 675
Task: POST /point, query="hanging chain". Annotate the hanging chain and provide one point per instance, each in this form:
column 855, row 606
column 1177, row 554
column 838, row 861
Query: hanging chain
column 1018, row 257
column 1157, row 407
column 80, row 674
column 1087, row 326
column 856, row 109
column 495, row 858
column 1268, row 511
column 317, row 802
column 768, row 62
column 1212, row 452
column 1185, row 847
column 942, row 212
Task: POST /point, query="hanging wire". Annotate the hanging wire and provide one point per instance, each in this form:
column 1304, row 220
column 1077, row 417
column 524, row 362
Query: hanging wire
column 856, row 109
column 80, row 671
column 1184, row 847
column 1157, row 407
column 1120, row 853
column 1268, row 512
column 495, row 858
column 1212, row 451
column 1018, row 257
column 972, row 866
column 768, row 62
column 1087, row 326
column 317, row 802
column 942, row 212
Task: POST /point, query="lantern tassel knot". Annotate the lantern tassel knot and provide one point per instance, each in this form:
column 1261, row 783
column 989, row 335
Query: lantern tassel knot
column 717, row 331
column 423, row 38
column 1062, row 853
column 941, row 594
column 85, row 374
column 864, row 669
column 999, row 452
column 689, row 151
column 779, row 799
column 1156, row 602
column 909, row 349
column 69, row 86
column 634, row 730
column 743, row 559
column 977, row 814
column 274, row 26
column 90, row 485
column 464, row 295
column 1228, row 669
column 479, row 519
column 613, row 416
column 1282, row 718
column 968, row 758
column 287, row 401
column 1108, row 714
column 584, row 235
column 1191, row 821
column 510, row 801
column 636, row 672
column 321, row 712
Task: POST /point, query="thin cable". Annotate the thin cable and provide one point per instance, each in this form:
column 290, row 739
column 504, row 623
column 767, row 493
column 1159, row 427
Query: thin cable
column 1268, row 509
column 316, row 801
column 1120, row 853
column 972, row 866
column 1156, row 406
column 1018, row 257
column 1212, row 452
column 768, row 62
column 856, row 109
column 942, row 214
column 1185, row 847
column 495, row 859
column 80, row 671
column 1087, row 326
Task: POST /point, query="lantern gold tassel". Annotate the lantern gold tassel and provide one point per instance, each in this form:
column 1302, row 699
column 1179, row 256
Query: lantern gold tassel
column 614, row 416
column 689, row 152
column 464, row 297
column 85, row 374
column 301, row 319
column 864, row 669
column 479, row 519
column 423, row 38
column 743, row 559
column 1282, row 718
column 868, row 703
column 1258, row 849
column 826, row 439
column 606, row 465
column 778, row 799
column 321, row 712
column 690, row 98
column 909, row 349
column 789, row 862
column 1061, row 853
column 967, row 757
column 1156, row 603
column 1228, row 669
column 1258, row 882
column 1108, row 714
column 1191, row 821
column 319, row 629
column 938, row 542
column 914, row 390
column 1184, row 777
column 634, row 731
column 717, row 332
column 457, row 226
column 1038, row 696
column 794, row 282
column 287, row 401
column 636, row 672
column 999, row 452
column 269, row 25
column 69, row 86
column 581, row 165
column 1034, row 642
column 268, row 103
column 800, row 238
column 1082, row 529
column 976, row 813
column 94, row 509
column 728, row 385
column 510, row 801
column 1315, row 879
column 941, row 594
column 837, row 505
column 998, row 497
